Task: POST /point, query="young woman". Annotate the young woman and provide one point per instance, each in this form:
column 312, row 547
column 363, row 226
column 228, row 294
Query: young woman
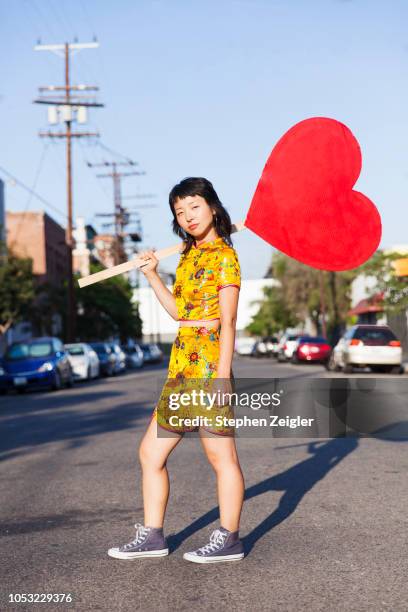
column 204, row 301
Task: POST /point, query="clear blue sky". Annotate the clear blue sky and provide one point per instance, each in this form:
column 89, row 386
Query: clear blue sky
column 206, row 89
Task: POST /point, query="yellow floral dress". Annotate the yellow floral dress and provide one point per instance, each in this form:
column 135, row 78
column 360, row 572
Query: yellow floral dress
column 201, row 274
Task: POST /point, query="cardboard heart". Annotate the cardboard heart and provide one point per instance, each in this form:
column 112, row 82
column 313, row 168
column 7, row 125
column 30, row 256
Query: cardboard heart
column 304, row 203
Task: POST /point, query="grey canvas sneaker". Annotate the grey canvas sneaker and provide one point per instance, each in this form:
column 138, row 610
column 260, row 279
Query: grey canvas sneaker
column 224, row 545
column 149, row 542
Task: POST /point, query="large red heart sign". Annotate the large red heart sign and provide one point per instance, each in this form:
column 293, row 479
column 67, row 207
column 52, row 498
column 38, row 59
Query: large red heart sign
column 305, row 205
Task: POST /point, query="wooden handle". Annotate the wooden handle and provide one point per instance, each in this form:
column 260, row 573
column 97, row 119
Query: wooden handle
column 137, row 262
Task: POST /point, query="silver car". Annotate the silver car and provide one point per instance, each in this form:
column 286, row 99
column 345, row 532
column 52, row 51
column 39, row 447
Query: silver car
column 134, row 356
column 84, row 360
column 244, row 346
column 266, row 347
column 120, row 358
column 287, row 346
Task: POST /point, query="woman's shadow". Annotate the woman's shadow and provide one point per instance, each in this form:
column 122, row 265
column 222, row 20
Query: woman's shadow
column 295, row 482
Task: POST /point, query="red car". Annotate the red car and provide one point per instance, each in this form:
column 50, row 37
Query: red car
column 311, row 348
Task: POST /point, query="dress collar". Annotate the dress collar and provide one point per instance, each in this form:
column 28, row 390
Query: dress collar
column 209, row 243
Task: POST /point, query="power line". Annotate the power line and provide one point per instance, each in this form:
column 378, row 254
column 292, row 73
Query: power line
column 87, row 17
column 120, row 215
column 69, row 30
column 41, row 17
column 100, row 185
column 113, row 152
column 93, row 31
column 32, row 191
column 30, row 195
column 58, row 19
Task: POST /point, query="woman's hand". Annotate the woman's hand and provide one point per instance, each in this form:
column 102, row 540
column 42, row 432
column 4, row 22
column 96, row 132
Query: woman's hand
column 151, row 264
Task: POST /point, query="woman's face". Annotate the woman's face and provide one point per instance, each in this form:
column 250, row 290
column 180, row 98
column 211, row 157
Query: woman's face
column 194, row 215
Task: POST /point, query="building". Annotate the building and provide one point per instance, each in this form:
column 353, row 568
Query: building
column 105, row 245
column 369, row 310
column 37, row 235
column 81, row 254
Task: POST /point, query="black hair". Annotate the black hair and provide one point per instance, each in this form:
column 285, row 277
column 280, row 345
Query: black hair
column 193, row 186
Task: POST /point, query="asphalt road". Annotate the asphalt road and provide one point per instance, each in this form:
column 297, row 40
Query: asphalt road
column 324, row 522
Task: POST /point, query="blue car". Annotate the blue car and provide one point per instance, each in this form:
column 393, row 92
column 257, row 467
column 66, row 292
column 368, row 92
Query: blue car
column 41, row 362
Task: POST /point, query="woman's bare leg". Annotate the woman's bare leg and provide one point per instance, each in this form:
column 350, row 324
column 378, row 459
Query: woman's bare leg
column 222, row 454
column 153, row 454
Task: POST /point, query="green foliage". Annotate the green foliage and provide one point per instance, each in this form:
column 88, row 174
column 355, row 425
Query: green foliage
column 298, row 297
column 16, row 289
column 106, row 309
column 273, row 315
column 49, row 302
column 394, row 288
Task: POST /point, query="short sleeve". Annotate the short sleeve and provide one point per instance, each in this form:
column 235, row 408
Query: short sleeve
column 229, row 271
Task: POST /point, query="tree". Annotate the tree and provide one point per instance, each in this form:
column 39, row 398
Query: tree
column 394, row 288
column 298, row 297
column 50, row 302
column 273, row 314
column 16, row 289
column 106, row 309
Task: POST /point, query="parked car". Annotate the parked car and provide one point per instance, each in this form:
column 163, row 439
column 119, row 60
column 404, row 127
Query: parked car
column 36, row 363
column 120, row 358
column 84, row 360
column 266, row 347
column 272, row 343
column 311, row 348
column 287, row 346
column 375, row 346
column 3, row 383
column 151, row 353
column 244, row 346
column 107, row 359
column 134, row 356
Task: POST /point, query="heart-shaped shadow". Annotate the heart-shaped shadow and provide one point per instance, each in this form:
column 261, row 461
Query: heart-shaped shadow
column 304, row 204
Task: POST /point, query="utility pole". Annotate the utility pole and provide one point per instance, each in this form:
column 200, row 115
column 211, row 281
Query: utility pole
column 135, row 209
column 120, row 214
column 68, row 106
column 140, row 196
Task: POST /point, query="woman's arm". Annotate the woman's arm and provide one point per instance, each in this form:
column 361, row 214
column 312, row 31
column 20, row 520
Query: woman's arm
column 228, row 301
column 164, row 295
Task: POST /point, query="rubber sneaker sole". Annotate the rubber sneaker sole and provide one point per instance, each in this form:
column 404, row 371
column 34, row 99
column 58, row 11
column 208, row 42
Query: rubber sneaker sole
column 197, row 559
column 115, row 552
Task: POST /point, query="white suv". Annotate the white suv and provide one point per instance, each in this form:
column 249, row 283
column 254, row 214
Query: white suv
column 373, row 346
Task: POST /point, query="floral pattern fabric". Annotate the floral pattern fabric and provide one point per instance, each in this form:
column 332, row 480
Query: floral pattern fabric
column 200, row 275
column 193, row 366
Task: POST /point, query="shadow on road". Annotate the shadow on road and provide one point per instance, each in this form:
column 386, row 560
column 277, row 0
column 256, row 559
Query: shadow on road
column 41, row 420
column 296, row 482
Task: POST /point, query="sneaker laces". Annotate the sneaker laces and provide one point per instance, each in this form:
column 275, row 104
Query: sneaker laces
column 217, row 541
column 141, row 532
